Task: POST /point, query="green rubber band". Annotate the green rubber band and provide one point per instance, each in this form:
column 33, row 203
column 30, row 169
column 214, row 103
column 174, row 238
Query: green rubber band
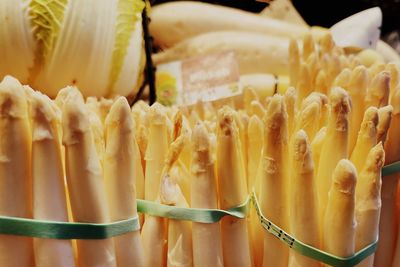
column 308, row 250
column 66, row 230
column 391, row 168
column 191, row 214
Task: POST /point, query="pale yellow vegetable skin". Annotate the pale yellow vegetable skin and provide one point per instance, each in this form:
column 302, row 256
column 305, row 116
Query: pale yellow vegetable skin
column 368, row 201
column 273, row 177
column 207, row 244
column 303, row 219
column 232, row 191
column 119, row 171
column 85, row 182
column 385, row 118
column 49, row 196
column 15, row 189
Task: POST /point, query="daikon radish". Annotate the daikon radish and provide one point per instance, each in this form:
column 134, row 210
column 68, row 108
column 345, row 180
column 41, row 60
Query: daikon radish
column 255, row 138
column 335, row 145
column 207, row 245
column 385, row 118
column 85, row 182
column 303, row 218
column 290, row 102
column 245, row 45
column 357, row 89
column 179, row 232
column 156, row 151
column 49, row 197
column 316, row 147
column 284, row 11
column 119, row 172
column 387, row 244
column 232, row 191
column 367, row 137
column 339, row 223
column 175, row 22
column 294, row 62
column 378, row 91
column 273, row 175
column 15, row 171
column 368, row 201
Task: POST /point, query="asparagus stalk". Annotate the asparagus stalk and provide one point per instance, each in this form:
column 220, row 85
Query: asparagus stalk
column 335, row 145
column 255, row 138
column 368, row 201
column 274, row 180
column 294, row 62
column 339, row 223
column 156, row 150
column 85, row 182
column 326, row 44
column 321, row 82
column 207, row 245
column 357, row 89
column 304, row 217
column 179, row 232
column 343, row 79
column 257, row 109
column 316, row 148
column 304, row 84
column 314, row 67
column 120, row 175
column 394, row 71
column 232, row 186
column 308, row 46
column 308, row 119
column 290, row 101
column 15, row 171
column 387, row 244
column 378, row 91
column 49, row 196
column 249, row 95
column 366, row 139
column 385, row 118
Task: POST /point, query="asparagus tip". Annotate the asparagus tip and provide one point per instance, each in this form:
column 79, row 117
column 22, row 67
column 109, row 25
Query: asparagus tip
column 345, row 177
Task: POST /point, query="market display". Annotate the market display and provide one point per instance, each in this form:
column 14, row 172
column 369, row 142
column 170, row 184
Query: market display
column 307, row 142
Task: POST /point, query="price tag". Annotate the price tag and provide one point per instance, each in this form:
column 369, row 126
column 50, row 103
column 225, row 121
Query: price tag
column 205, row 78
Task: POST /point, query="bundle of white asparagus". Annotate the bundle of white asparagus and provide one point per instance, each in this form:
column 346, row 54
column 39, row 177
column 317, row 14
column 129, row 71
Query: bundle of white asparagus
column 313, row 156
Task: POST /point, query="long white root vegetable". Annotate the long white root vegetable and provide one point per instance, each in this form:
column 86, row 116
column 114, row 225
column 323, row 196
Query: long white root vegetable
column 339, row 223
column 273, row 175
column 207, row 245
column 119, row 171
column 232, row 191
column 85, row 182
column 303, row 218
column 49, row 196
column 15, row 171
column 368, row 201
column 246, row 46
column 177, row 21
column 385, row 118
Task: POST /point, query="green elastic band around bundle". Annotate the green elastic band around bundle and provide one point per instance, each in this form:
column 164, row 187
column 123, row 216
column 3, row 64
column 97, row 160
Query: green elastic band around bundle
column 391, row 168
column 66, row 230
column 310, row 251
column 191, row 214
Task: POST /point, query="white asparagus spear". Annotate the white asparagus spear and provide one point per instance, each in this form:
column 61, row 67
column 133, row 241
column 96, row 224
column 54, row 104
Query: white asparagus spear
column 343, row 79
column 273, row 175
column 290, row 101
column 49, row 196
column 232, row 191
column 339, row 223
column 207, row 245
column 368, row 201
column 304, row 83
column 85, row 182
column 385, row 118
column 294, row 62
column 156, row 150
column 387, row 244
column 119, row 171
column 180, row 253
column 316, row 147
column 366, row 139
column 308, row 46
column 357, row 89
column 308, row 119
column 255, row 138
column 378, row 90
column 303, row 218
column 335, row 145
column 15, row 171
column 321, row 82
